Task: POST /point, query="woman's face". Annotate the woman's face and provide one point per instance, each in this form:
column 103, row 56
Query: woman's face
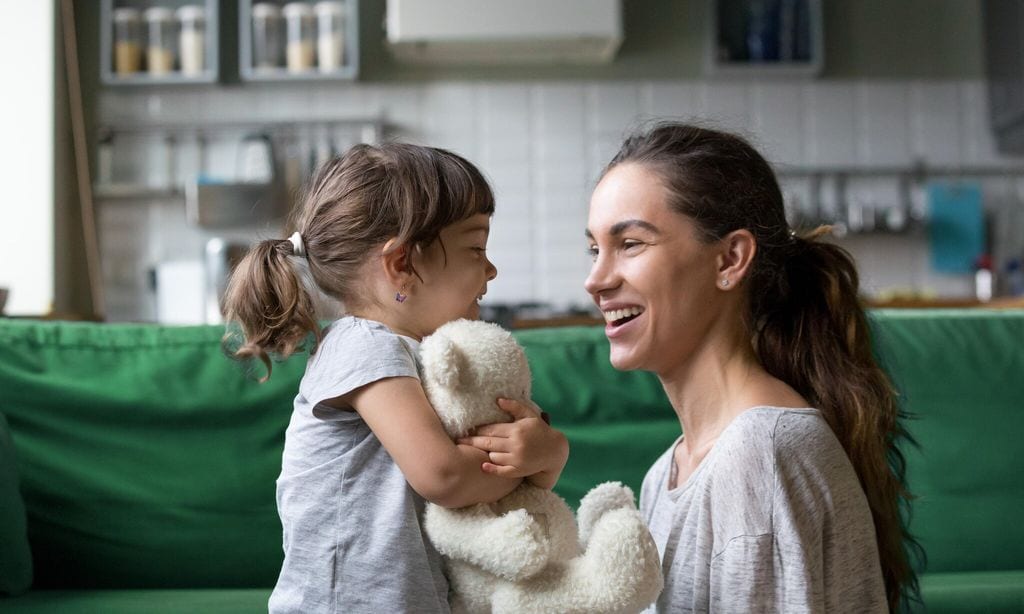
column 652, row 278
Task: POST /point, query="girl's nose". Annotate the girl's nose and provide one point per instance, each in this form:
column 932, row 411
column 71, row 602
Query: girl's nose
column 492, row 271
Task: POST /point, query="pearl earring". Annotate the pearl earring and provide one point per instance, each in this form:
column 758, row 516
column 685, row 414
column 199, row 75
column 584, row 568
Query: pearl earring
column 725, row 283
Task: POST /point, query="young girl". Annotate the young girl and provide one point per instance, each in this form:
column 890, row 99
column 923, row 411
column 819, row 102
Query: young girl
column 398, row 234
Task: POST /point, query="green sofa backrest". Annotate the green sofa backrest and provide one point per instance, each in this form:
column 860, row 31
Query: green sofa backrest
column 148, row 459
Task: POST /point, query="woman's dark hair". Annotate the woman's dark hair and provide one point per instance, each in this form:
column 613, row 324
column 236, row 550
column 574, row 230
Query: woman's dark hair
column 354, row 204
column 806, row 322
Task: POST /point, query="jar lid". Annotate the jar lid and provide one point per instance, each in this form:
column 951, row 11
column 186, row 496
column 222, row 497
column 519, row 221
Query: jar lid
column 298, row 9
column 329, row 8
column 127, row 14
column 263, row 10
column 191, row 12
column 159, row 13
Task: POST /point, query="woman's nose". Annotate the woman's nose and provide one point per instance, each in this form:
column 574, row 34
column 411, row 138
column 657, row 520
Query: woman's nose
column 600, row 277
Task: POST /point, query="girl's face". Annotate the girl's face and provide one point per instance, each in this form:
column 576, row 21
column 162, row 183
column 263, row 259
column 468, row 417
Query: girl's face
column 652, row 278
column 454, row 277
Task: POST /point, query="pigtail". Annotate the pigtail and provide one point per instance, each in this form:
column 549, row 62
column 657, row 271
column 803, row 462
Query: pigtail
column 267, row 300
column 811, row 331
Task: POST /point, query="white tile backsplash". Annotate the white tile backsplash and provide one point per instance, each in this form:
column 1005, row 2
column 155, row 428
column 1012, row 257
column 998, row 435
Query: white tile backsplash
column 543, row 143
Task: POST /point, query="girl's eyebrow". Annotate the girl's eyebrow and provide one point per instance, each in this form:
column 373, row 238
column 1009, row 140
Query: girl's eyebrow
column 621, row 227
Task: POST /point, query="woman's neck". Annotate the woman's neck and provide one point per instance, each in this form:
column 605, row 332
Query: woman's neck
column 719, row 383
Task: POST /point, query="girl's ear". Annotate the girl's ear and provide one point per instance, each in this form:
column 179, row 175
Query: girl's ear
column 395, row 261
column 737, row 253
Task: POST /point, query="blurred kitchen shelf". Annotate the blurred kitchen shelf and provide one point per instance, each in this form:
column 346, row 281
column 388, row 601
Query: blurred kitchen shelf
column 1006, row 302
column 790, row 36
column 131, row 191
column 211, row 59
column 348, row 71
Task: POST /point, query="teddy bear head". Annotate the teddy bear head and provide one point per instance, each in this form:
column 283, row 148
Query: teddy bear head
column 467, row 366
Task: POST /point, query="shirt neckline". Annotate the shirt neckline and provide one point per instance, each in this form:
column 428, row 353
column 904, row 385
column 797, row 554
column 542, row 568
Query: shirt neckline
column 678, row 491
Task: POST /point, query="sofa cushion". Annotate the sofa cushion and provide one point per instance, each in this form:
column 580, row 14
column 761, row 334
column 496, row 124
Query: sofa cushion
column 147, row 458
column 221, row 601
column 968, row 592
column 15, row 556
column 960, row 376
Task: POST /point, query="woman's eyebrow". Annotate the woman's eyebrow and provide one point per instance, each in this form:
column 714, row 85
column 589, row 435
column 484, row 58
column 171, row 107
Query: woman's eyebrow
column 621, row 227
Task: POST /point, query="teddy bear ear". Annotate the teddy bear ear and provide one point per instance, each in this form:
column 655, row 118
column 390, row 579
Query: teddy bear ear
column 453, row 369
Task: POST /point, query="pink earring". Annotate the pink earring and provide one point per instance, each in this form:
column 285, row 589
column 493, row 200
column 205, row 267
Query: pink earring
column 400, row 296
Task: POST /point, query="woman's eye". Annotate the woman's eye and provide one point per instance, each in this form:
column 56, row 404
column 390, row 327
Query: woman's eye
column 629, row 244
column 592, row 251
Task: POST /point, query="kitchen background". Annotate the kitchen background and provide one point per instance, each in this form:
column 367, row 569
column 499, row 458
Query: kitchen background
column 891, row 135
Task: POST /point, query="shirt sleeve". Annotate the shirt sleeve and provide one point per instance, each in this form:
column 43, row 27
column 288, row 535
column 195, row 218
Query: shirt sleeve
column 355, row 359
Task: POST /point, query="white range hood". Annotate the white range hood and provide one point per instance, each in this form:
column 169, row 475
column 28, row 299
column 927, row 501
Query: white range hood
column 504, row 31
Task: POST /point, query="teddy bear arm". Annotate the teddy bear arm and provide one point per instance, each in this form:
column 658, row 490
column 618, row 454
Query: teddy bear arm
column 512, row 545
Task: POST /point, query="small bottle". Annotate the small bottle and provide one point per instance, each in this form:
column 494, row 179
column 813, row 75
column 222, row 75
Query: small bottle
column 127, row 41
column 1015, row 277
column 192, row 39
column 267, row 36
column 983, row 278
column 160, row 47
column 300, row 51
column 330, row 40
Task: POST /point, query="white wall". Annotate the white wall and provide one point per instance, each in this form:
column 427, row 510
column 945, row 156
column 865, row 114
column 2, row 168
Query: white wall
column 543, row 143
column 26, row 155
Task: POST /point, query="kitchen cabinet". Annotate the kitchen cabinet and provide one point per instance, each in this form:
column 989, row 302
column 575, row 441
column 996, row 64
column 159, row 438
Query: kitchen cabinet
column 1004, row 66
column 166, row 42
column 304, row 41
column 764, row 38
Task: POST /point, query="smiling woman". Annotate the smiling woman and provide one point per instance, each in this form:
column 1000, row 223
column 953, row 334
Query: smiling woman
column 784, row 494
column 27, row 158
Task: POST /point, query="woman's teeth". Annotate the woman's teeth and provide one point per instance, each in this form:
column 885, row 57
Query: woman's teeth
column 616, row 315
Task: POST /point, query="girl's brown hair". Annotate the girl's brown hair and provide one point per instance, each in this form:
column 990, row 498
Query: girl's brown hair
column 806, row 322
column 355, row 203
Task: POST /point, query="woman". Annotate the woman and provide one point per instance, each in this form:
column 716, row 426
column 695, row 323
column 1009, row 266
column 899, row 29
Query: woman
column 784, row 493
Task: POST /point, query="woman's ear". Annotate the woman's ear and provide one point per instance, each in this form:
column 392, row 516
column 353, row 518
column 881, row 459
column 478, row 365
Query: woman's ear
column 737, row 253
column 395, row 261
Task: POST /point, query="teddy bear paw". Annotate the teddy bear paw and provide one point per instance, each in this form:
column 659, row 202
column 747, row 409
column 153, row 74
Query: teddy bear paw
column 601, row 499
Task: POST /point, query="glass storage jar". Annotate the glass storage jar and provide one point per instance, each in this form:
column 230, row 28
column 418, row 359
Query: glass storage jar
column 267, row 36
column 192, row 39
column 300, row 51
column 127, row 41
column 160, row 27
column 330, row 40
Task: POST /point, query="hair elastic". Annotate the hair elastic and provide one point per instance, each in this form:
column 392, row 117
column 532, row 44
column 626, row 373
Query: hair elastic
column 298, row 249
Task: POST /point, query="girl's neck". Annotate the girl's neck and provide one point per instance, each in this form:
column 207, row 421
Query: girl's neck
column 394, row 323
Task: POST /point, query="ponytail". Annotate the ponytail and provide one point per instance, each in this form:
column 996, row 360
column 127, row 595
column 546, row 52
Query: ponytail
column 810, row 331
column 806, row 323
column 268, row 300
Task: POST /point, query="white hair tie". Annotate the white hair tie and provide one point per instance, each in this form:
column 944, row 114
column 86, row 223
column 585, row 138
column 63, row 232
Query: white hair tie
column 298, row 249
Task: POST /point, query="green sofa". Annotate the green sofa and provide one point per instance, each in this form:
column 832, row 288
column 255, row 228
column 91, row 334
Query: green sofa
column 146, row 460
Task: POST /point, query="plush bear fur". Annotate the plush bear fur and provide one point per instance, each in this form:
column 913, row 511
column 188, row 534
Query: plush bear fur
column 524, row 552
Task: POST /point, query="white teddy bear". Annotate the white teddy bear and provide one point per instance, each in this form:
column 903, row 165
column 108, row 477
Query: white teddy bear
column 523, row 553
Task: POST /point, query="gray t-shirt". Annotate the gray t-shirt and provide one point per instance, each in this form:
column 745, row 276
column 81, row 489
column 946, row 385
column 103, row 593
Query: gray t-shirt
column 352, row 535
column 773, row 520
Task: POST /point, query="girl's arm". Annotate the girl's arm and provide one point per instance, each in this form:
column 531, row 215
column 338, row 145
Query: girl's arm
column 528, row 447
column 442, row 472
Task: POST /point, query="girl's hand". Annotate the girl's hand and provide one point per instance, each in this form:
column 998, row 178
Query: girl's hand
column 527, row 447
